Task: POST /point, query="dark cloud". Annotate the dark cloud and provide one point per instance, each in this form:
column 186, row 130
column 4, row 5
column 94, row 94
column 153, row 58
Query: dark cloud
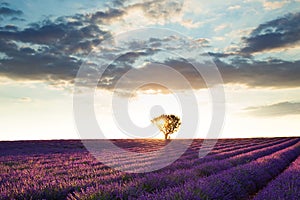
column 240, row 66
column 50, row 50
column 107, row 16
column 281, row 32
column 27, row 63
column 273, row 110
column 154, row 73
column 27, row 50
column 6, row 11
column 64, row 36
column 131, row 57
column 128, row 60
column 273, row 73
column 221, row 55
column 4, row 4
column 9, row 28
column 186, row 69
column 17, row 19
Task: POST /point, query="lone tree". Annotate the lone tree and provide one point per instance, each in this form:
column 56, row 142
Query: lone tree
column 167, row 124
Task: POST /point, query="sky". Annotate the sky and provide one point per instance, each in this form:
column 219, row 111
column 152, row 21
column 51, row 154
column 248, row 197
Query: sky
column 149, row 48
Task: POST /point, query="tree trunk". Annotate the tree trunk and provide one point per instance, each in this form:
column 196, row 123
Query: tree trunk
column 166, row 136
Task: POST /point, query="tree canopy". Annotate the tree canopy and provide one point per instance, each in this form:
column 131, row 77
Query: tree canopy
column 167, row 124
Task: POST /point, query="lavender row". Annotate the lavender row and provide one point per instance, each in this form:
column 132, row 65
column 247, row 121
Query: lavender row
column 184, row 162
column 130, row 163
column 168, row 178
column 166, row 175
column 225, row 154
column 68, row 174
column 219, row 151
column 48, row 158
column 67, row 171
column 285, row 186
column 236, row 183
column 203, row 163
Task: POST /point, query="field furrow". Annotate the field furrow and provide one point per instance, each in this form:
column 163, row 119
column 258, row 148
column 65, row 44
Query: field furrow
column 236, row 183
column 285, row 186
column 232, row 169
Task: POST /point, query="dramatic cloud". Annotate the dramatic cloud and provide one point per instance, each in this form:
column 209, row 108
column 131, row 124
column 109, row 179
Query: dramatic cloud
column 9, row 13
column 281, row 32
column 273, row 73
column 5, row 11
column 179, row 75
column 53, row 50
column 221, row 55
column 241, row 66
column 61, row 35
column 48, row 50
column 106, row 16
column 278, row 109
column 9, row 28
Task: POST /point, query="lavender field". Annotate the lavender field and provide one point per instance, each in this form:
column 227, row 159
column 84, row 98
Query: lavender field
column 259, row 168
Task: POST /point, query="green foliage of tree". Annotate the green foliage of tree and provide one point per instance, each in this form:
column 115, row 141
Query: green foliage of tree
column 167, row 124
